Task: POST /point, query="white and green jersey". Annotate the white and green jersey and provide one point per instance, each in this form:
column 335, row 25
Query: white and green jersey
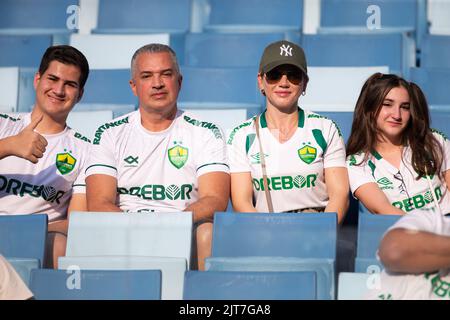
column 295, row 169
column 400, row 185
column 428, row 286
column 157, row 171
column 45, row 187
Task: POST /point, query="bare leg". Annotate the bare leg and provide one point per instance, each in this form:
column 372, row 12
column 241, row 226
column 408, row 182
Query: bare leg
column 204, row 241
column 56, row 247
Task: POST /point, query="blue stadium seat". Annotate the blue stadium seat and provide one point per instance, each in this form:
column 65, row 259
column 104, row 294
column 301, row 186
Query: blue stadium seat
column 343, row 120
column 228, row 88
column 255, row 16
column 48, row 284
column 353, row 285
column 23, row 236
column 371, row 228
column 394, row 50
column 143, row 16
column 23, row 51
column 109, row 86
column 222, row 285
column 440, row 121
column 356, row 16
column 9, row 82
column 435, row 52
column 434, row 82
column 212, row 50
column 276, row 242
column 104, row 240
column 36, row 17
column 23, row 267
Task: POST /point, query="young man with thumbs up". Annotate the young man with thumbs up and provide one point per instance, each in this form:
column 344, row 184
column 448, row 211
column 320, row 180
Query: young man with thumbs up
column 41, row 159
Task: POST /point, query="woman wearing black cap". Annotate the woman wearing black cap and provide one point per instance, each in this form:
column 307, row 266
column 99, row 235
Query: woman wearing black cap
column 287, row 159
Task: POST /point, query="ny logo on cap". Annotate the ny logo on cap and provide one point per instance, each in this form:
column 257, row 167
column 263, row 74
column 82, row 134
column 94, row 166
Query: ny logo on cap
column 286, row 49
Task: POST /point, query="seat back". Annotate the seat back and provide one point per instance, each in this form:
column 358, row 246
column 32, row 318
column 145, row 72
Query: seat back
column 172, row 269
column 33, row 17
column 214, row 50
column 435, row 51
column 371, row 228
column 9, row 81
column 440, row 121
column 336, row 88
column 23, row 236
column 353, row 285
column 241, row 285
column 275, row 235
column 434, row 83
column 49, row 284
column 230, row 87
column 255, row 15
column 165, row 234
column 394, row 50
column 23, row 50
column 144, row 16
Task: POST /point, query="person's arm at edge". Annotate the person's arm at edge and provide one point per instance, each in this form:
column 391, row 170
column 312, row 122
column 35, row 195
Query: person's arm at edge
column 336, row 180
column 410, row 251
column 214, row 192
column 101, row 191
column 77, row 203
column 242, row 192
column 375, row 200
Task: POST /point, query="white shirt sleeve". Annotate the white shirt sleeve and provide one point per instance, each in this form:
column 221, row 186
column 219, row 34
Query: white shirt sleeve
column 102, row 159
column 237, row 152
column 213, row 154
column 335, row 153
column 419, row 220
column 358, row 174
column 79, row 185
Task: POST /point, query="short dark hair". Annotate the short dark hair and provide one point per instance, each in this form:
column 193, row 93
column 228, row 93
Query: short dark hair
column 67, row 55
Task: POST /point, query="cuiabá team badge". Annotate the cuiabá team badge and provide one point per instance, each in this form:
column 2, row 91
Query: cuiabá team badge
column 307, row 154
column 178, row 156
column 65, row 162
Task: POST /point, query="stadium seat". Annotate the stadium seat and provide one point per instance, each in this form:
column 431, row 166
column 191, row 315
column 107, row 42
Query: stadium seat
column 435, row 52
column 172, row 269
column 56, row 17
column 212, row 50
column 438, row 17
column 23, row 267
column 109, row 86
column 255, row 16
column 114, row 51
column 9, row 82
column 276, row 242
column 23, row 236
column 394, row 50
column 227, row 88
column 143, row 16
column 440, row 121
column 357, row 16
column 342, row 119
column 353, row 285
column 222, row 285
column 434, row 83
column 23, row 50
column 133, row 240
column 335, row 88
column 75, row 284
column 87, row 122
column 371, row 228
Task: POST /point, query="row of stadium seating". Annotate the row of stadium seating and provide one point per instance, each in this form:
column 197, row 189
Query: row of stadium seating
column 241, row 243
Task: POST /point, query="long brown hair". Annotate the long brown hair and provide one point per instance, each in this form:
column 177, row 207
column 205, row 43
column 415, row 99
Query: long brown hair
column 427, row 153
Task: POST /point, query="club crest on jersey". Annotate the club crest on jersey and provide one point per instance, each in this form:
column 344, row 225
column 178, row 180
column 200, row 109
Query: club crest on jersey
column 178, row 156
column 307, row 153
column 65, row 162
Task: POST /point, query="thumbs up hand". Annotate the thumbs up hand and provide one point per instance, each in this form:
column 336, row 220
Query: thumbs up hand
column 29, row 144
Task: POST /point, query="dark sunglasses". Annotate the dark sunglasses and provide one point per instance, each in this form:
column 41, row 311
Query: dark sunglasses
column 294, row 77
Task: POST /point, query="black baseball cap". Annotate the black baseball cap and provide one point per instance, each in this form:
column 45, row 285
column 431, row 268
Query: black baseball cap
column 282, row 52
